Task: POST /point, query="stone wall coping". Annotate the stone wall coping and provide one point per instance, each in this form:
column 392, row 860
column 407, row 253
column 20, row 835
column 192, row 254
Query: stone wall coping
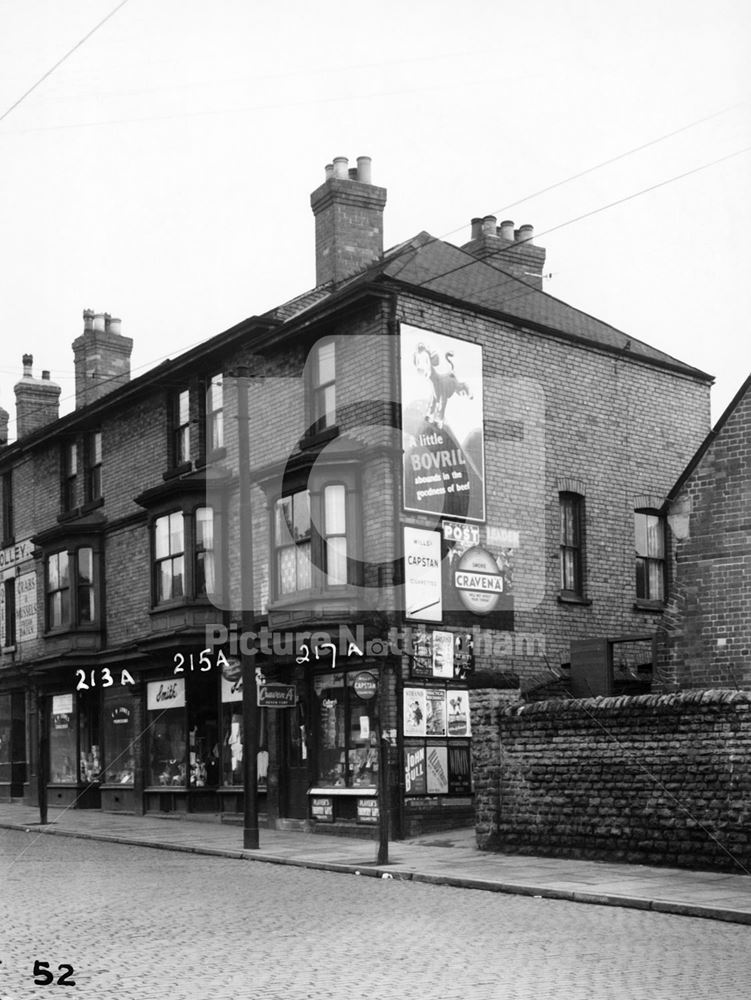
column 637, row 703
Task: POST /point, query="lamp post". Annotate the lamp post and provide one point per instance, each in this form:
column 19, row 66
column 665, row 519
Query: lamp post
column 250, row 709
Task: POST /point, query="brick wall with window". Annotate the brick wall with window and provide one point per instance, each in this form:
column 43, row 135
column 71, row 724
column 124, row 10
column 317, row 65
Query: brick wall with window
column 705, row 640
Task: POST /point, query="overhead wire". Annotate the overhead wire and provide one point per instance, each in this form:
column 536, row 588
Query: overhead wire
column 60, row 61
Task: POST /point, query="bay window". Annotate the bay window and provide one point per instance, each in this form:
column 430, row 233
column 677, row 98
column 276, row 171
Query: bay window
column 169, row 561
column 71, row 588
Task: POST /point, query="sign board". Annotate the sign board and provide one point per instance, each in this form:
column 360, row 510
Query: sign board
column 415, row 708
column 277, row 695
column 365, row 685
column 442, row 424
column 422, row 575
column 478, row 581
column 232, row 690
column 14, row 555
column 443, row 655
column 161, row 695
column 62, row 704
column 26, row 607
column 414, row 771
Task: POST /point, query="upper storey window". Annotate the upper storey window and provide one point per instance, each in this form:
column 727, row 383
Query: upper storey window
column 649, row 537
column 572, row 544
column 215, row 413
column 93, row 457
column 69, row 475
column 181, row 428
column 323, row 386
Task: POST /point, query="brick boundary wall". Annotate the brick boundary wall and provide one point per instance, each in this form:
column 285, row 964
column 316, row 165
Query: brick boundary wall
column 652, row 779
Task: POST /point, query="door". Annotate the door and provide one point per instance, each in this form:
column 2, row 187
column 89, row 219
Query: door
column 294, row 777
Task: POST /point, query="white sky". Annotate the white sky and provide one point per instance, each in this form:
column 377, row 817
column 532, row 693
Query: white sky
column 163, row 172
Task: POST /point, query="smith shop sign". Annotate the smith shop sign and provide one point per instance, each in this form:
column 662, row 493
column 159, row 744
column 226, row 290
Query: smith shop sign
column 277, row 695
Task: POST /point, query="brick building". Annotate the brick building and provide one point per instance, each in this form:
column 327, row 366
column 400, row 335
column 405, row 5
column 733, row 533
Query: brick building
column 443, row 473
column 705, row 640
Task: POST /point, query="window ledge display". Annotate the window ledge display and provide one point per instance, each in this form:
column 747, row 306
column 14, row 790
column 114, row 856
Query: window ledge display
column 334, row 790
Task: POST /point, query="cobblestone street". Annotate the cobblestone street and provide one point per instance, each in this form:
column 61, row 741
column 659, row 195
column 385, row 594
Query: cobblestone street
column 136, row 924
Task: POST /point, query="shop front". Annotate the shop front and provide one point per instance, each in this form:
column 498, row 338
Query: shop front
column 74, row 765
column 12, row 745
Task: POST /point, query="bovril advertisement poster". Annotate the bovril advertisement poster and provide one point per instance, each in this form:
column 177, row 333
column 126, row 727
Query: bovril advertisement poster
column 442, row 424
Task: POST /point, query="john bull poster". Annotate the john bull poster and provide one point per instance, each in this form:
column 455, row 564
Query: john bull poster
column 442, row 424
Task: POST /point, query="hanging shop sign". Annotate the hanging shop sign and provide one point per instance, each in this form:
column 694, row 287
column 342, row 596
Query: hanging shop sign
column 232, row 690
column 277, row 695
column 365, row 685
column 478, row 581
column 165, row 694
column 442, row 424
column 422, row 575
column 232, row 668
column 477, row 565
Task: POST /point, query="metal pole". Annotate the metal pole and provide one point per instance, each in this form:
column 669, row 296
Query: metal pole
column 250, row 709
column 41, row 760
column 383, row 777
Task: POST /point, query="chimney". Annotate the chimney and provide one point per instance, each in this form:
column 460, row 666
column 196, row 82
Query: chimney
column 101, row 356
column 348, row 210
column 4, row 418
column 37, row 400
column 512, row 250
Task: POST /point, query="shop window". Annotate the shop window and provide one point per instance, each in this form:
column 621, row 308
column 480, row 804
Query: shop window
column 292, row 539
column 572, row 543
column 649, row 533
column 346, row 733
column 8, row 527
column 215, row 414
column 205, row 563
column 6, row 734
column 166, row 727
column 9, row 612
column 118, row 737
column 93, row 466
column 204, row 745
column 323, row 386
column 63, row 743
column 180, row 448
column 69, row 476
column 71, row 588
column 169, row 557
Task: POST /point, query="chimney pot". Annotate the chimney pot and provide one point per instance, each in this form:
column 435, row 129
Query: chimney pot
column 341, row 169
column 99, row 322
column 525, row 233
column 27, row 361
column 88, row 319
column 329, row 171
column 476, row 232
column 488, row 225
column 507, row 229
column 115, row 325
column 46, row 375
column 364, row 169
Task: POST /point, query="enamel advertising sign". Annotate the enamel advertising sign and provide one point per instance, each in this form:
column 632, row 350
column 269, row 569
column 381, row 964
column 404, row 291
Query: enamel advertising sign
column 442, row 425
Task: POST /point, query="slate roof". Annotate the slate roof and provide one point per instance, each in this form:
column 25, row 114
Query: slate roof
column 425, row 262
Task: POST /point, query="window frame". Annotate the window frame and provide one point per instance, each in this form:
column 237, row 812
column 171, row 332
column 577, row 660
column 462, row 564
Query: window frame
column 75, row 589
column 9, row 612
column 8, row 530
column 93, row 466
column 572, row 546
column 319, row 422
column 68, row 476
column 215, row 415
column 171, row 557
column 180, row 443
column 647, row 560
column 191, row 592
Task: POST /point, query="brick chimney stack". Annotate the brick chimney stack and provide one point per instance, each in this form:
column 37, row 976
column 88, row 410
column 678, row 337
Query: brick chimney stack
column 37, row 400
column 101, row 357
column 348, row 210
column 4, row 418
column 512, row 250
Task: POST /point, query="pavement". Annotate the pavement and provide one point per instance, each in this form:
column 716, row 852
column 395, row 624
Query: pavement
column 446, row 858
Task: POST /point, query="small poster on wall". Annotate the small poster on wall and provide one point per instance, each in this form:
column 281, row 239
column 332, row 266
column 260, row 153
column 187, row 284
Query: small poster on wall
column 460, row 773
column 414, row 711
column 458, row 713
column 443, row 655
column 414, row 771
column 437, row 770
column 435, row 723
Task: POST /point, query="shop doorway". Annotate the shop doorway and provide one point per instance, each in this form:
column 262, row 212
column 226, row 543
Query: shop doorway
column 294, row 770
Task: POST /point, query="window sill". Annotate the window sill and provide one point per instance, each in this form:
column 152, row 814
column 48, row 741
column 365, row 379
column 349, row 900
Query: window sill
column 656, row 606
column 185, row 602
column 92, row 505
column 584, row 602
column 366, row 790
column 68, row 515
column 177, row 470
column 317, row 439
column 346, row 591
column 62, row 630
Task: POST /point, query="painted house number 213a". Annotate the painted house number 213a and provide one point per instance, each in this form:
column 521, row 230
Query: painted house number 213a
column 89, row 679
